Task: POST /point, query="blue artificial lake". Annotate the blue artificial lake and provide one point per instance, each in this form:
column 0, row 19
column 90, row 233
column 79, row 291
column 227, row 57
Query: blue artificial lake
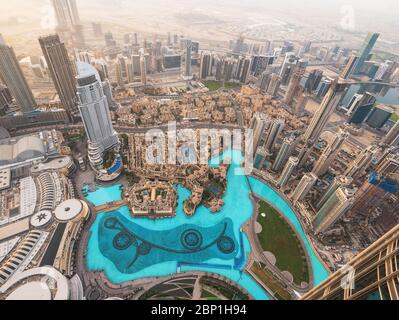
column 127, row 248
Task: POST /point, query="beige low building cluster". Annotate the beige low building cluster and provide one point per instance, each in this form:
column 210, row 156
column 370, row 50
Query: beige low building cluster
column 196, row 177
column 205, row 107
column 152, row 199
column 251, row 101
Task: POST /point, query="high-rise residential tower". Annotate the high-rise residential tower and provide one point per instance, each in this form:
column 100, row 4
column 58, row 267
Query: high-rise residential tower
column 94, row 109
column 293, row 86
column 12, row 76
column 335, row 206
column 61, row 71
column 286, row 149
column 362, row 162
column 205, row 65
column 258, row 124
column 303, row 187
column 329, row 154
column 274, row 85
column 339, row 181
column 325, row 110
column 273, row 133
column 289, row 168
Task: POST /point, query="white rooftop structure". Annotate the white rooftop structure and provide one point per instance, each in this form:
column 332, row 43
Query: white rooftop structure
column 17, row 150
column 28, row 198
column 22, row 256
column 6, row 247
column 12, row 229
column 18, row 283
column 86, row 70
column 52, row 165
column 68, row 210
column 41, row 218
column 31, row 291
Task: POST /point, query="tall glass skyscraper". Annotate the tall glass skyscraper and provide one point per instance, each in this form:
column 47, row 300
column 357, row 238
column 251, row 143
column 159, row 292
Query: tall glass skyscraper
column 12, row 76
column 61, row 71
column 365, row 51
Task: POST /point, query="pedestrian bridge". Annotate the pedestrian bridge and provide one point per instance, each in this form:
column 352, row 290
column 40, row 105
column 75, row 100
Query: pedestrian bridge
column 111, row 206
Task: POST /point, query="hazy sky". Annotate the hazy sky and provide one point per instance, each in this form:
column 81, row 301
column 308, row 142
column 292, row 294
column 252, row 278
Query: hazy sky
column 364, row 8
column 369, row 14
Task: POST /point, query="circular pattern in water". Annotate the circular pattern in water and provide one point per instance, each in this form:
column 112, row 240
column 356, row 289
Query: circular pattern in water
column 110, row 223
column 226, row 245
column 144, row 249
column 191, row 239
column 122, row 241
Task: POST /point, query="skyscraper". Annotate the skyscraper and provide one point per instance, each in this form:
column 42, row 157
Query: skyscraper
column 205, row 65
column 313, row 80
column 143, row 67
column 329, row 154
column 330, row 102
column 339, row 181
column 286, row 149
column 93, row 107
column 304, row 154
column 12, row 76
column 362, row 162
column 303, row 187
column 260, row 157
column 374, row 270
column 272, row 134
column 187, row 48
column 258, row 124
column 66, row 12
column 360, row 106
column 335, row 206
column 264, row 81
column 245, row 70
column 5, row 100
column 287, row 172
column 323, row 113
column 292, row 89
column 68, row 22
column 274, row 85
column 365, row 50
column 349, row 67
column 301, row 102
column 61, row 71
column 288, row 67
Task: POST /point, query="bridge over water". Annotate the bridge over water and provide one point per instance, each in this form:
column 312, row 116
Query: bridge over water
column 111, row 206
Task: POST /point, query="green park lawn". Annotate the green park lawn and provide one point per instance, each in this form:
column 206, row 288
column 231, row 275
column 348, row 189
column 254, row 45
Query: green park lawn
column 279, row 238
column 395, row 117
